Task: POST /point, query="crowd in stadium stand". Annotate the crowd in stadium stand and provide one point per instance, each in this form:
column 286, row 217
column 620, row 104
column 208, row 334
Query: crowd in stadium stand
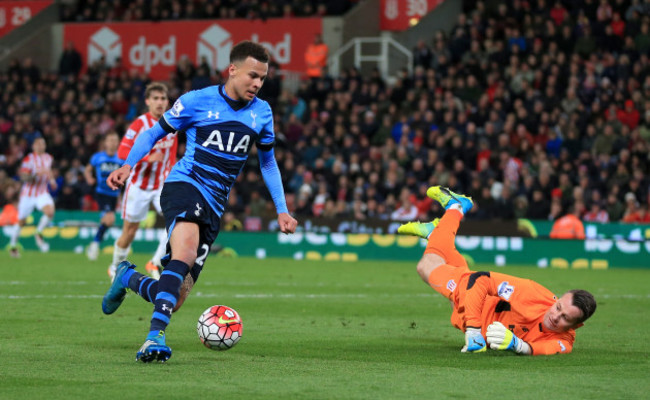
column 533, row 110
column 170, row 10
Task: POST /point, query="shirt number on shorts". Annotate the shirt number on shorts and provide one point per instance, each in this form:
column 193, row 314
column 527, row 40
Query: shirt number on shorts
column 201, row 259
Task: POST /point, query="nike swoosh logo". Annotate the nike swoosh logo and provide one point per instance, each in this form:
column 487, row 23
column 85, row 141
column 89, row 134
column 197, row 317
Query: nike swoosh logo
column 227, row 321
column 475, row 342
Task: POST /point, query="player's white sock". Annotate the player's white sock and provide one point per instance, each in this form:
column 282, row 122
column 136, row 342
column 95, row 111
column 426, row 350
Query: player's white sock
column 15, row 232
column 160, row 250
column 457, row 206
column 42, row 223
column 120, row 254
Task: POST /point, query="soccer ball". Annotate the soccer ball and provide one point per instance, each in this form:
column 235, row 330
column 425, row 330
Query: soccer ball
column 219, row 328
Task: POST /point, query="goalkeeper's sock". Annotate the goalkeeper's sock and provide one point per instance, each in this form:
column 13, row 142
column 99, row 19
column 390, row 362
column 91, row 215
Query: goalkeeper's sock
column 143, row 285
column 169, row 290
column 441, row 241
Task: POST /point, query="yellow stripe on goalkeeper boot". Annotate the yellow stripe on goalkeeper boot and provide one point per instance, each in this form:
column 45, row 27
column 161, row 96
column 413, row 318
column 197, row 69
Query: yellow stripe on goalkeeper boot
column 420, row 229
column 447, row 198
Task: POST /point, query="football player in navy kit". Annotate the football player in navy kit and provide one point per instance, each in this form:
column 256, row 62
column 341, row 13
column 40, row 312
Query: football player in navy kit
column 222, row 123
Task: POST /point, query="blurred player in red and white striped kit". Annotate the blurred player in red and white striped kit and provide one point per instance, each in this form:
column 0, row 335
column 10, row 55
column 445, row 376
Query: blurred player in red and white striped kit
column 146, row 181
column 36, row 174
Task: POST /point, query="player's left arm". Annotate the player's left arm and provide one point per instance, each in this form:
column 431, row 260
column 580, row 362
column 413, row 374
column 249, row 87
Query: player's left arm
column 272, row 179
column 501, row 338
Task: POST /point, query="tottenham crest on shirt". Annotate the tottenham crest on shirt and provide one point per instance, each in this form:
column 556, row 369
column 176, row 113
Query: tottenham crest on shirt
column 177, row 108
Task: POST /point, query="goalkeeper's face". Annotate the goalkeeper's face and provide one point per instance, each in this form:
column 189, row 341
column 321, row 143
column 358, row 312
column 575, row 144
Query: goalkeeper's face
column 563, row 315
column 246, row 78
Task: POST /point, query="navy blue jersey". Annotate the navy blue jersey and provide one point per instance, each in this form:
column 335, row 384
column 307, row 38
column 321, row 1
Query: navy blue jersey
column 104, row 165
column 220, row 133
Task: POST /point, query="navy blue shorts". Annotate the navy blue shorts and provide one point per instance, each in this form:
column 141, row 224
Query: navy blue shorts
column 182, row 201
column 105, row 202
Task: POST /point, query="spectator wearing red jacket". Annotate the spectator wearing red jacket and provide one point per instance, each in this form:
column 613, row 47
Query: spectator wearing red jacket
column 558, row 13
column 629, row 115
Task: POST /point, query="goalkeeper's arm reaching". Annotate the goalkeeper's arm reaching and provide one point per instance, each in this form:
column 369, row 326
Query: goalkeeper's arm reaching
column 501, row 338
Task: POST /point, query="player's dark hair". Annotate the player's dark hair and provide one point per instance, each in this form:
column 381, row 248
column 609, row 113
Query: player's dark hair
column 245, row 49
column 155, row 87
column 585, row 302
column 111, row 132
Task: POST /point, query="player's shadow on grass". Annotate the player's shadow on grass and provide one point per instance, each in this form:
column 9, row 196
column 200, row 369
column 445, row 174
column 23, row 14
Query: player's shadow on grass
column 413, row 351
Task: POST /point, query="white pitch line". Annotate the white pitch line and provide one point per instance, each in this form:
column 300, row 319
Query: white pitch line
column 17, row 283
column 282, row 296
column 216, row 295
column 105, row 283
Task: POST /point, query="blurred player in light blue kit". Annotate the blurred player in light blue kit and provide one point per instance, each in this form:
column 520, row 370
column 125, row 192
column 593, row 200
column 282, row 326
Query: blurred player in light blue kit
column 97, row 171
column 221, row 123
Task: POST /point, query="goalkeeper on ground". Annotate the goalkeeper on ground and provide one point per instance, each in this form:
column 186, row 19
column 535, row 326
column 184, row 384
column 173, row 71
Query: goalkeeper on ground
column 493, row 309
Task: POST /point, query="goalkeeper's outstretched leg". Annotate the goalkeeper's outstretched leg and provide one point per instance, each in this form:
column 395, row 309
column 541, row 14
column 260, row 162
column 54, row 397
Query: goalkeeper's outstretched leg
column 441, row 262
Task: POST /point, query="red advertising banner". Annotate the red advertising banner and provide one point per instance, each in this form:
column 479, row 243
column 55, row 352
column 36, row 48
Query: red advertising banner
column 155, row 47
column 399, row 15
column 15, row 13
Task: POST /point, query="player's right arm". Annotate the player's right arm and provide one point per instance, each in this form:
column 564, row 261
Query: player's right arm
column 513, row 290
column 479, row 285
column 176, row 118
column 127, row 142
column 143, row 145
column 482, row 284
column 501, row 338
column 557, row 345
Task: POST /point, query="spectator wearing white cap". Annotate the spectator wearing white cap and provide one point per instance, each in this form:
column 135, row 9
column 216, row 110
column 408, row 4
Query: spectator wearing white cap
column 631, row 214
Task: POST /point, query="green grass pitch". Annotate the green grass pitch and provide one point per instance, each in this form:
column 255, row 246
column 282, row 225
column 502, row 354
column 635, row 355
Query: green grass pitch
column 312, row 330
